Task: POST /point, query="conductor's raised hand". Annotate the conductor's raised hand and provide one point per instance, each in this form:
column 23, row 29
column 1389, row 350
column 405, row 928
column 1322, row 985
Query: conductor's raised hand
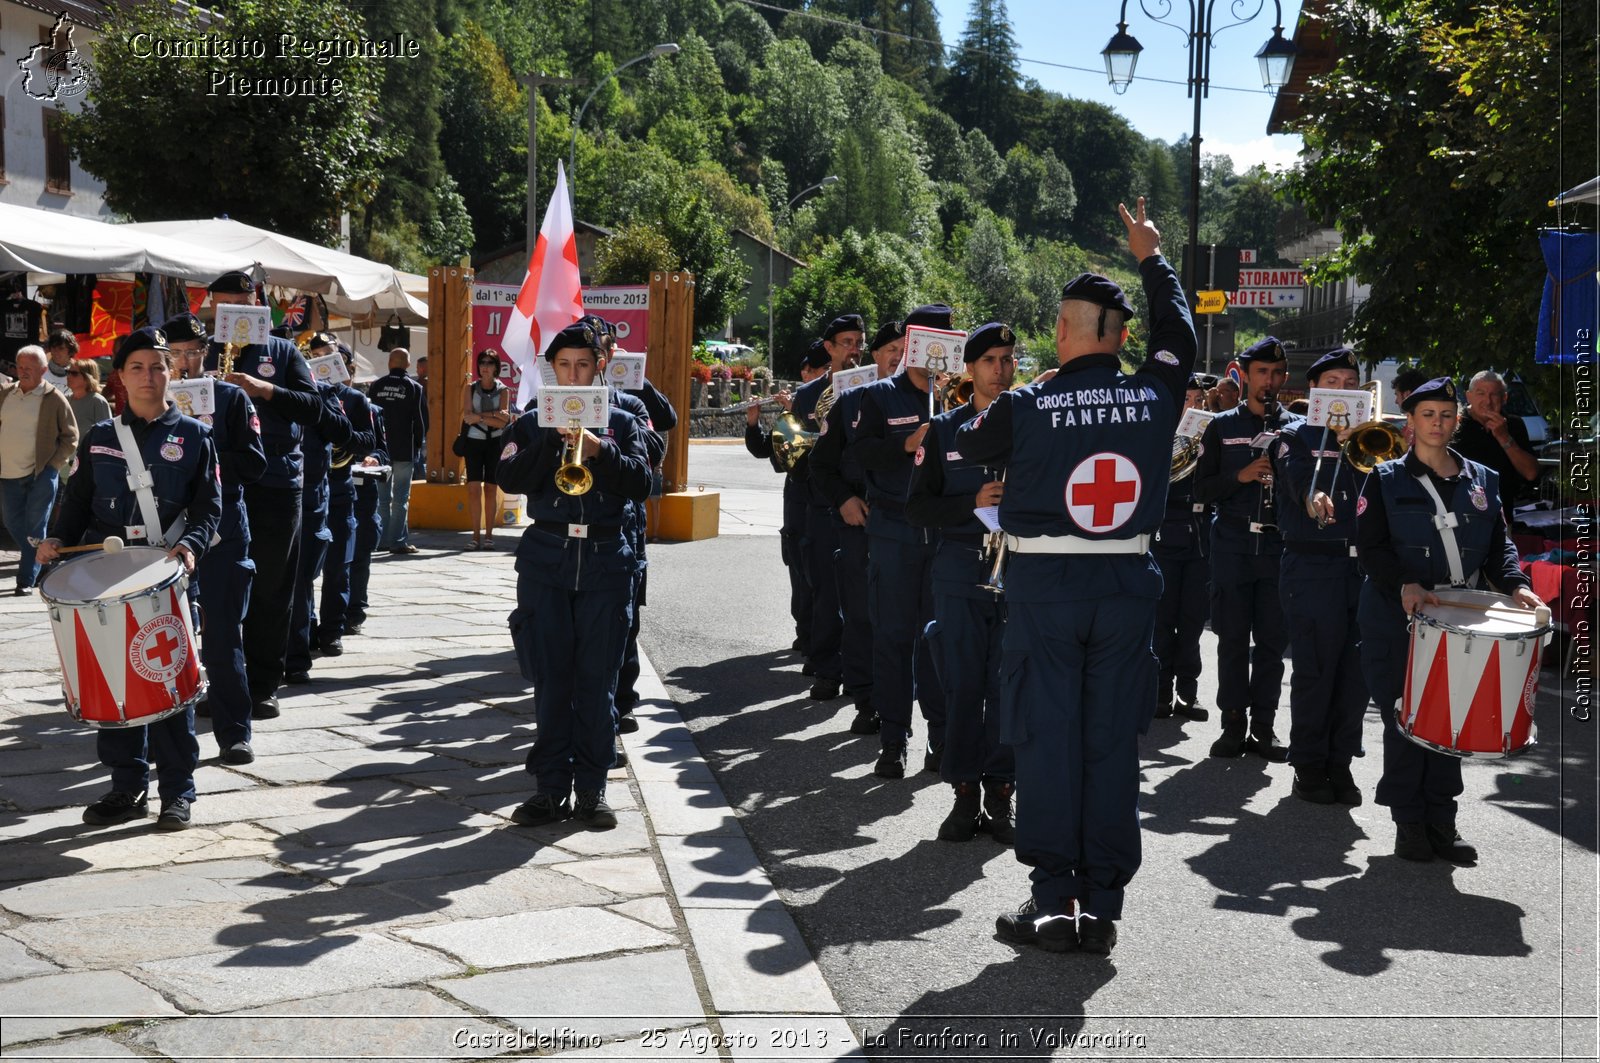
column 1144, row 239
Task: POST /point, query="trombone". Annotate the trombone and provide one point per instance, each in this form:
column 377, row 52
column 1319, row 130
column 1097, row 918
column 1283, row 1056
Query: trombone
column 1368, row 446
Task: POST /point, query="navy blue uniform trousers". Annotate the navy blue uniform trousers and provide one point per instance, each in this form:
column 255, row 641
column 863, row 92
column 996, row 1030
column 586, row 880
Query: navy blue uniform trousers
column 275, row 548
column 1079, row 685
column 314, row 540
column 827, row 623
column 225, row 574
column 1327, row 692
column 169, row 745
column 965, row 644
column 900, row 603
column 569, row 643
column 850, row 574
column 336, row 569
column 792, row 543
column 369, row 529
column 1181, row 617
column 1251, row 636
column 1419, row 785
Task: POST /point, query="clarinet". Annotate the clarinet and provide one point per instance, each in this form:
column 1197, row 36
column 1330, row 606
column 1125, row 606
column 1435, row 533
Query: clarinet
column 1266, row 501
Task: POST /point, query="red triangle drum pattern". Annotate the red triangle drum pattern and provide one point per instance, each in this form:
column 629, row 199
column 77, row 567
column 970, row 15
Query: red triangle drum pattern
column 1470, row 695
column 128, row 662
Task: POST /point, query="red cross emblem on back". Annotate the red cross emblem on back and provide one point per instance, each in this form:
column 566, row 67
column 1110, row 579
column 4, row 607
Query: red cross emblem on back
column 1103, row 492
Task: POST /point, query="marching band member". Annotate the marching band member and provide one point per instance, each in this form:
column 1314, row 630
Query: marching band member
column 1087, row 455
column 791, row 533
column 1235, row 472
column 222, row 584
column 278, row 382
column 838, row 475
column 369, row 525
column 342, row 519
column 968, row 617
column 181, row 463
column 1429, row 520
column 1180, row 548
column 575, row 572
column 1321, row 586
column 890, row 425
column 842, row 340
column 332, row 428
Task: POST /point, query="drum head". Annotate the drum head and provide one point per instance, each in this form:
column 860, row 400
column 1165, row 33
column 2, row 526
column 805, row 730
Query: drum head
column 1505, row 621
column 99, row 576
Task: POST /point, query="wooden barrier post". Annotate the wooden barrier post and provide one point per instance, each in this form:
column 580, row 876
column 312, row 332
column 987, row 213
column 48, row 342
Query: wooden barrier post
column 681, row 516
column 441, row 502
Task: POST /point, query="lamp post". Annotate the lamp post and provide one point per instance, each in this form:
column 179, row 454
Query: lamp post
column 572, row 153
column 772, row 353
column 1276, row 58
column 533, row 81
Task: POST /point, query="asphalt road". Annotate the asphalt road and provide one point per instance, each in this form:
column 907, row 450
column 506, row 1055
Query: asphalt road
column 1258, row 927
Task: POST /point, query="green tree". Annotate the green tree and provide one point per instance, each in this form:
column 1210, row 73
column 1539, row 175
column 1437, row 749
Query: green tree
column 802, row 111
column 879, row 277
column 1037, row 193
column 1104, row 151
column 287, row 163
column 408, row 113
column 981, row 84
column 982, row 168
column 631, row 254
column 484, row 137
column 1435, row 141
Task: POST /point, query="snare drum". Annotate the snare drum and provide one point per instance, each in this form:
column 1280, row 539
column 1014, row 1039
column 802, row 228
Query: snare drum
column 1472, row 675
column 124, row 635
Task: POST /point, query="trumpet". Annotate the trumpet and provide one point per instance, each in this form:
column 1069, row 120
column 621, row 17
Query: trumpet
column 573, row 478
column 994, row 547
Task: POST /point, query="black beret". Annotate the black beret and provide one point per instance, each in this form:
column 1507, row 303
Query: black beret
column 346, row 353
column 1439, row 389
column 322, row 339
column 887, row 333
column 844, row 323
column 601, row 326
column 1269, row 349
column 934, row 315
column 985, row 338
column 235, row 282
column 1101, row 291
column 145, row 339
column 1197, row 383
column 185, row 327
column 817, row 355
column 1409, row 379
column 1339, row 358
column 576, row 334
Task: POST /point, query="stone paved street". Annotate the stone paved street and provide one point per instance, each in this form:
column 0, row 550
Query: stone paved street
column 358, row 892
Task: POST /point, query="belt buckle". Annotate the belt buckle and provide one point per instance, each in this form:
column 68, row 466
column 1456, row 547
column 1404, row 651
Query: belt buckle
column 577, row 531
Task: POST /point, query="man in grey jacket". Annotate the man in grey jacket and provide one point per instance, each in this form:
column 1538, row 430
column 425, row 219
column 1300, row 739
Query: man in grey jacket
column 38, row 436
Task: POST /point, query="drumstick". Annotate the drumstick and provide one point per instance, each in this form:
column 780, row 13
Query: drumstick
column 1541, row 615
column 111, row 544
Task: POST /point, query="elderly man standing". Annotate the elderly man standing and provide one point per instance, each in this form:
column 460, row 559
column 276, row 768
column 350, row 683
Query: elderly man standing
column 38, row 436
column 1490, row 438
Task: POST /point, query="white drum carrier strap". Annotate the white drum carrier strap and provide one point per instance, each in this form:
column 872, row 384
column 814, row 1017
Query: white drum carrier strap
column 140, row 483
column 1445, row 522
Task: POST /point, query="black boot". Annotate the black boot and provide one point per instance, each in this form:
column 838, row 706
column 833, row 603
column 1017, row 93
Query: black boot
column 1265, row 744
column 999, row 819
column 1190, row 708
column 1164, row 697
column 1345, row 790
column 1311, row 784
column 961, row 825
column 1234, row 735
column 1411, row 842
column 1447, row 844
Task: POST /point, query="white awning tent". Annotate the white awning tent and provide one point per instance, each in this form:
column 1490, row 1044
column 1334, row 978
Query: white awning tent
column 1588, row 192
column 353, row 287
column 51, row 243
